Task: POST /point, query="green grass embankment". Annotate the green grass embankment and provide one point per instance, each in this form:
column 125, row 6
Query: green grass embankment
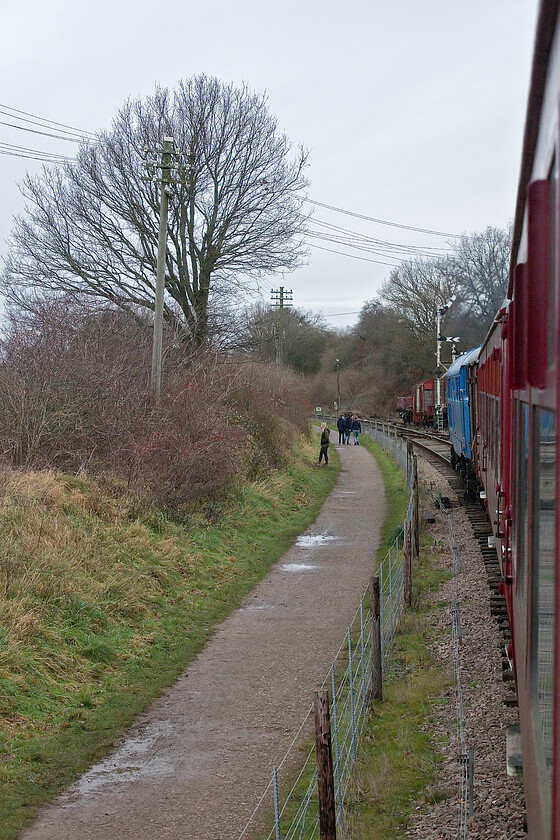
column 398, row 758
column 102, row 606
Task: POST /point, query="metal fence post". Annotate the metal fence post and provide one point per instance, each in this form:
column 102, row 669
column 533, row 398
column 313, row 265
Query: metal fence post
column 362, row 652
column 276, row 803
column 336, row 748
column 352, row 710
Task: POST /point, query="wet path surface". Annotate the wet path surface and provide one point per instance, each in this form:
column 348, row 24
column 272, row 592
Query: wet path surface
column 195, row 764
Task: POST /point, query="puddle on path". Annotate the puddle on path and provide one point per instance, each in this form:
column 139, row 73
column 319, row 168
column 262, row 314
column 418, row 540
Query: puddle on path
column 298, row 567
column 313, row 540
column 246, row 607
column 137, row 755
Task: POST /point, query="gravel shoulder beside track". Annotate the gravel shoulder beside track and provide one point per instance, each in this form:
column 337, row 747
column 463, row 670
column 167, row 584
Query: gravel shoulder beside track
column 498, row 798
column 195, row 764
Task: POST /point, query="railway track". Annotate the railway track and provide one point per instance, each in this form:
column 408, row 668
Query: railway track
column 437, row 452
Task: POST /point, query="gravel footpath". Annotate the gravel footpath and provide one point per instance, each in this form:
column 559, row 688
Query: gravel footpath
column 498, row 798
column 195, row 764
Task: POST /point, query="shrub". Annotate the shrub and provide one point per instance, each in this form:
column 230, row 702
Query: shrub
column 74, row 395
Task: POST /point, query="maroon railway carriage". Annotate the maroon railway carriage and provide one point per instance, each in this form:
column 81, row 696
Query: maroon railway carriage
column 423, row 403
column 424, row 396
column 404, row 407
column 491, row 452
column 518, row 403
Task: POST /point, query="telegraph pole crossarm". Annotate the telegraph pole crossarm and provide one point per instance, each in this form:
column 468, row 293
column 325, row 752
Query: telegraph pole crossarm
column 281, row 298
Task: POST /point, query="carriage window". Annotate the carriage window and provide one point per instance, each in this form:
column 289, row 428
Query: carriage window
column 552, row 237
column 521, row 497
column 542, row 608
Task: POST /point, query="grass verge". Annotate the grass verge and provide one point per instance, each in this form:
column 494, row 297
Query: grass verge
column 101, row 607
column 396, row 495
column 398, row 758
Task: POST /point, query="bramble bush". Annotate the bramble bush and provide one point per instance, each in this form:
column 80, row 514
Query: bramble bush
column 74, row 396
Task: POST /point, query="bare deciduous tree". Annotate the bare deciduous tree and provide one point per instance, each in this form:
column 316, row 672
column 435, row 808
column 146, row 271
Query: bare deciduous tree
column 416, row 289
column 476, row 273
column 480, row 268
column 91, row 227
column 305, row 336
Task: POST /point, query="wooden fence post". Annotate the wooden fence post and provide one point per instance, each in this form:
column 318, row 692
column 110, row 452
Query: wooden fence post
column 376, row 658
column 407, row 563
column 325, row 775
column 416, row 506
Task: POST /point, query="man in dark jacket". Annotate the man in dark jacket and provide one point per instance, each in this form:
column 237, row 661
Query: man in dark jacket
column 347, row 428
column 340, row 427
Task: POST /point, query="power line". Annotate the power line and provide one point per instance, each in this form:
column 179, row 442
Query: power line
column 44, row 133
column 383, row 242
column 353, row 256
column 26, row 150
column 382, row 221
column 381, row 252
column 393, row 251
column 45, row 120
column 44, row 159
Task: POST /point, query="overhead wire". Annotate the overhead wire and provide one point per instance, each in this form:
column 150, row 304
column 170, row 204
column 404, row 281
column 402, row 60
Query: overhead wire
column 353, row 256
column 333, row 234
column 71, row 139
column 366, row 238
column 43, row 120
column 383, row 250
column 34, row 154
column 382, row 221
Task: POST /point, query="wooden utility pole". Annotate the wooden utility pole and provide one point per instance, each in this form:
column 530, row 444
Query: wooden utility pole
column 338, row 404
column 325, row 775
column 160, row 272
column 280, row 298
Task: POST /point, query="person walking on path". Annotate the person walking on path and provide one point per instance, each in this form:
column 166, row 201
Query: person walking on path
column 356, row 428
column 347, row 428
column 340, row 427
column 324, row 450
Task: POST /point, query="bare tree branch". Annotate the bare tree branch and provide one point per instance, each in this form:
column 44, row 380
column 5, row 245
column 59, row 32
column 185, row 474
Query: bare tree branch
column 91, row 227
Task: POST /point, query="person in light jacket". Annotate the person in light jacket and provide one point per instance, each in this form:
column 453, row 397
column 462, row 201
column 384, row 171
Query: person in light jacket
column 347, row 428
column 356, row 428
column 324, row 451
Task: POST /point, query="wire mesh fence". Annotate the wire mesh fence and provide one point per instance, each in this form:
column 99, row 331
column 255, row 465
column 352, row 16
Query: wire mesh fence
column 289, row 807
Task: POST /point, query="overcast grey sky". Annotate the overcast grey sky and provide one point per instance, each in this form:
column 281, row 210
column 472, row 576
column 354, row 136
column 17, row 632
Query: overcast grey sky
column 413, row 110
